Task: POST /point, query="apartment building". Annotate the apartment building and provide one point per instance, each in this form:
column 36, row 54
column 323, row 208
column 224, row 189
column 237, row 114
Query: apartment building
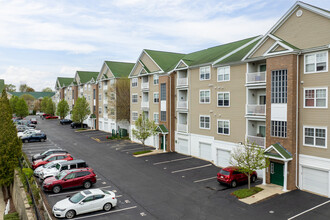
column 112, row 95
column 60, row 85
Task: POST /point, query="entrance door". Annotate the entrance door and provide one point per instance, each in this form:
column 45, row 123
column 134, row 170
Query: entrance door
column 162, row 142
column 276, row 173
column 262, row 130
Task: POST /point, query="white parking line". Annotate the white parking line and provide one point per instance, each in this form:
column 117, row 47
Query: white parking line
column 309, row 210
column 104, row 213
column 197, row 181
column 134, row 149
column 169, row 161
column 59, row 194
column 192, row 168
column 37, row 145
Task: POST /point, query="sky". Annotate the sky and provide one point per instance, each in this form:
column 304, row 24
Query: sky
column 41, row 40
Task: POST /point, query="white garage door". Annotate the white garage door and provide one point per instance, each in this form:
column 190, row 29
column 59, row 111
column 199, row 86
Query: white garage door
column 182, row 146
column 315, row 180
column 223, row 158
column 205, row 151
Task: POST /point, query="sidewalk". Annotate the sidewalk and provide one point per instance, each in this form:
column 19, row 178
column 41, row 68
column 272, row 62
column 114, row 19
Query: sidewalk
column 2, row 204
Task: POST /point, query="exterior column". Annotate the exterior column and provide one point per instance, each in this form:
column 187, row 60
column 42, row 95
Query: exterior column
column 264, row 176
column 285, row 176
column 164, row 143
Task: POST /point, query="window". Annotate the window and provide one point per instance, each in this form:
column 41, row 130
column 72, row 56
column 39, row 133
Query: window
column 100, row 110
column 156, row 118
column 112, row 111
column 134, row 98
column 204, row 96
column 112, row 96
column 134, row 116
column 89, row 97
column 72, row 94
column 94, row 93
column 278, row 129
column 100, row 85
column 89, row 87
column 223, row 127
column 315, row 137
column 279, row 86
column 89, row 199
column 112, row 81
column 223, row 99
column 163, row 92
column 105, row 83
column 224, row 73
column 163, row 115
column 85, row 86
column 134, row 82
column 204, row 73
column 316, row 62
column 73, row 166
column 98, row 197
column 204, row 122
column 156, row 79
column 315, row 98
column 100, row 97
column 156, row 97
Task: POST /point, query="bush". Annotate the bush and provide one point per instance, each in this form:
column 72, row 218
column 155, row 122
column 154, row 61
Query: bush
column 12, row 216
column 243, row 193
column 28, row 172
column 35, row 191
column 142, row 152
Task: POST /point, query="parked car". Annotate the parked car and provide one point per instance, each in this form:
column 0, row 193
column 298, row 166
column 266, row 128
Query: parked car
column 37, row 172
column 40, row 114
column 83, row 202
column 34, row 137
column 27, row 133
column 33, row 121
column 63, row 165
column 84, row 177
column 22, row 128
column 230, row 176
column 65, row 121
column 45, row 115
column 47, row 153
column 52, row 117
column 78, row 125
column 50, row 158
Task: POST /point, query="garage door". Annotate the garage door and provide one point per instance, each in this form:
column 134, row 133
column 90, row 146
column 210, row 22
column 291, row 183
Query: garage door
column 205, row 151
column 315, row 180
column 182, row 146
column 223, row 158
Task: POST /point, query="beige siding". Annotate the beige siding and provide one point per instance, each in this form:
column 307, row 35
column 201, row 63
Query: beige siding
column 149, row 63
column 235, row 113
column 264, row 47
column 306, row 31
column 137, row 70
column 135, row 107
column 313, row 116
column 153, row 107
column 279, row 48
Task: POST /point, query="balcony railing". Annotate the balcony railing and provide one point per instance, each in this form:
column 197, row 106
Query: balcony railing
column 145, row 85
column 183, row 104
column 182, row 127
column 145, row 104
column 257, row 77
column 182, row 81
column 256, row 110
column 256, row 140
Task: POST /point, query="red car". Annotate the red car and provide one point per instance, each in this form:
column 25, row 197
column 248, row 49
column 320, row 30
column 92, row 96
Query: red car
column 70, row 179
column 52, row 117
column 232, row 177
column 50, row 158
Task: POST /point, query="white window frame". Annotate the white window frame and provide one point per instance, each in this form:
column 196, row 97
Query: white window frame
column 315, row 71
column 204, row 90
column 316, row 88
column 154, row 97
column 156, row 113
column 112, row 96
column 157, row 79
column 218, row 100
column 100, row 97
column 204, row 68
column 315, row 127
column 136, row 99
column 134, row 84
column 100, row 110
column 112, row 110
column 218, row 73
column 228, row 126
column 137, row 115
column 205, row 116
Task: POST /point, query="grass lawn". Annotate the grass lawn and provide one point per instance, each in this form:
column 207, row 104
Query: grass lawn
column 243, row 193
column 81, row 129
column 142, row 152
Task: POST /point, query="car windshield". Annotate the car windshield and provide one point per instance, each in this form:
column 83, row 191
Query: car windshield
column 76, row 198
column 61, row 175
column 224, row 172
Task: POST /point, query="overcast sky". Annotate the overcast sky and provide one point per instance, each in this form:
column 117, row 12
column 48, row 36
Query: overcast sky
column 41, row 40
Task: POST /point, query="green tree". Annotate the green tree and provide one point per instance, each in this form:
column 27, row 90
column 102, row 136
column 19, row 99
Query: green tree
column 80, row 110
column 21, row 107
column 47, row 89
column 43, row 104
column 62, row 109
column 144, row 128
column 13, row 100
column 50, row 109
column 29, row 99
column 249, row 158
column 10, row 144
column 10, row 87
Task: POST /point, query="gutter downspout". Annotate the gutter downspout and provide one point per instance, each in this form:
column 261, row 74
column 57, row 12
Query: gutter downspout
column 169, row 76
column 297, row 115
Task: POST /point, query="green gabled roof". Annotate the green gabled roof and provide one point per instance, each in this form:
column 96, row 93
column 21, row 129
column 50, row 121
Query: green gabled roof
column 279, row 148
column 86, row 76
column 165, row 60
column 144, row 66
column 64, row 81
column 162, row 129
column 120, row 69
column 2, row 84
column 214, row 53
column 36, row 95
column 238, row 56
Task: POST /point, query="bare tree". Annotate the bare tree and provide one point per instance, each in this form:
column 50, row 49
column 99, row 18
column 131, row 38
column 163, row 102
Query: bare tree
column 119, row 98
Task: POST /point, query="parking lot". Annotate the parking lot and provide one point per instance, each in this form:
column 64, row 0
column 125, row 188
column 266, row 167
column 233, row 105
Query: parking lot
column 166, row 185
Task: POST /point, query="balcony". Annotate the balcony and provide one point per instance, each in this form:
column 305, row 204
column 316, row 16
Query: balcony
column 145, row 85
column 256, row 140
column 256, row 77
column 259, row 110
column 182, row 128
column 183, row 104
column 144, row 104
column 182, row 82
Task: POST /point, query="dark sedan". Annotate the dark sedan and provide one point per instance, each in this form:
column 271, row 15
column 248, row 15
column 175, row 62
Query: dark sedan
column 47, row 153
column 65, row 121
column 34, row 137
column 78, row 125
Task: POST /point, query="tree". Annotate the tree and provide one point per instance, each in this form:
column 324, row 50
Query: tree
column 43, row 104
column 249, row 158
column 50, row 107
column 81, row 110
column 25, row 88
column 10, row 144
column 29, row 99
column 144, row 128
column 62, row 109
column 13, row 100
column 10, row 87
column 29, row 89
column 37, row 105
column 47, row 89
column 21, row 107
column 119, row 96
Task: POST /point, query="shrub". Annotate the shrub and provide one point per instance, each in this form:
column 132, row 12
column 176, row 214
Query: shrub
column 243, row 193
column 142, row 152
column 12, row 216
column 28, row 172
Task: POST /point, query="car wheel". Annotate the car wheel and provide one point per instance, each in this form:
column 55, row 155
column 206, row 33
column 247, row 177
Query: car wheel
column 56, row 189
column 233, row 184
column 253, row 178
column 70, row 214
column 40, row 140
column 87, row 185
column 107, row 207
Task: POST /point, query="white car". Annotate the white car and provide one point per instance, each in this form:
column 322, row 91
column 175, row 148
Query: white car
column 85, row 201
column 39, row 170
column 27, row 133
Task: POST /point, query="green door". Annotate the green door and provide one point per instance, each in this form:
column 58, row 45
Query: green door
column 276, row 173
column 162, row 142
